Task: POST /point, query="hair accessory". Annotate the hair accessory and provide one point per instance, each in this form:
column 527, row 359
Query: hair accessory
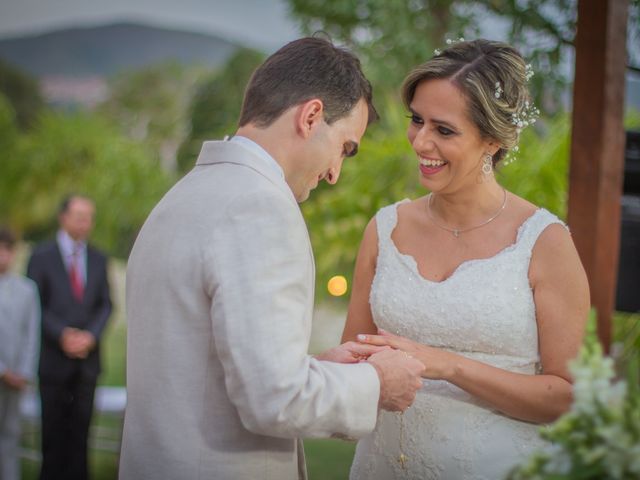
column 498, row 90
column 449, row 42
column 527, row 115
column 528, row 71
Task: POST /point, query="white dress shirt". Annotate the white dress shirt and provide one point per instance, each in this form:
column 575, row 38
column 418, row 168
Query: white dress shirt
column 68, row 246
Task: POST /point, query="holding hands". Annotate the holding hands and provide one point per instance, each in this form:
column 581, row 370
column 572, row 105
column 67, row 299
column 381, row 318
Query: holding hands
column 399, row 373
column 438, row 364
column 77, row 343
column 14, row 380
column 350, row 352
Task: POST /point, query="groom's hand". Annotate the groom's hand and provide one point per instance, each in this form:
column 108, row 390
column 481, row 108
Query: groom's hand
column 399, row 378
column 350, row 352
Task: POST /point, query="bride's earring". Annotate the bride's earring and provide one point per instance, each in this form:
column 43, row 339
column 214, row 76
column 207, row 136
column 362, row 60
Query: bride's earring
column 487, row 164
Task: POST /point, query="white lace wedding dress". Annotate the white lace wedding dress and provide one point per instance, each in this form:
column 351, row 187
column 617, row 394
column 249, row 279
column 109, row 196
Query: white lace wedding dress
column 484, row 311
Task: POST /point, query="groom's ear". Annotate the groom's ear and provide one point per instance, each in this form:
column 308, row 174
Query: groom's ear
column 308, row 116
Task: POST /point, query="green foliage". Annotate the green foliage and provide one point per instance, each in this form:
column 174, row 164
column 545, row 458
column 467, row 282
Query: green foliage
column 393, row 36
column 9, row 138
column 23, row 94
column 632, row 119
column 216, row 105
column 540, row 173
column 8, row 127
column 80, row 153
column 626, row 347
column 385, row 171
column 151, row 106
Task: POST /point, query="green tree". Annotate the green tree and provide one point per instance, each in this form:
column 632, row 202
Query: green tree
column 151, row 106
column 81, row 153
column 23, row 94
column 392, row 36
column 9, row 138
column 216, row 105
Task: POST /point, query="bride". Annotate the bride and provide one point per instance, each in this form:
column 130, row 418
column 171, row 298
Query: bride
column 483, row 287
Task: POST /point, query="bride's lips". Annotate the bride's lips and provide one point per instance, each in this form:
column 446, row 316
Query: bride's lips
column 431, row 166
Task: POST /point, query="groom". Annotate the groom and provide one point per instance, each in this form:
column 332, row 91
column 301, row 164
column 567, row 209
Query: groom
column 220, row 294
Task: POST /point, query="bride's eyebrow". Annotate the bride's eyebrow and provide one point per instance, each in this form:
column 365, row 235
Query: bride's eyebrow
column 434, row 120
column 444, row 123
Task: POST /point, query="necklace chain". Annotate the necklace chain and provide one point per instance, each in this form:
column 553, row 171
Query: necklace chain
column 457, row 231
column 402, row 458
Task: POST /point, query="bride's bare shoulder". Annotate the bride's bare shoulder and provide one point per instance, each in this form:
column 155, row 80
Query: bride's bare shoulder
column 412, row 209
column 521, row 207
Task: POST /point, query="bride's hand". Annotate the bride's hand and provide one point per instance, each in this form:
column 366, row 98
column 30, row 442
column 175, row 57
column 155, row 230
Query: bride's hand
column 350, row 352
column 439, row 364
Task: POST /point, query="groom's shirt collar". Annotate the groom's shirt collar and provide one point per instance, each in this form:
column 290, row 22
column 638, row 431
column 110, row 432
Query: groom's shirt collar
column 259, row 151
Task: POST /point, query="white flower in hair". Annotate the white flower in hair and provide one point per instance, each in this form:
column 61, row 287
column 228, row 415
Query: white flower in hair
column 528, row 71
column 499, row 90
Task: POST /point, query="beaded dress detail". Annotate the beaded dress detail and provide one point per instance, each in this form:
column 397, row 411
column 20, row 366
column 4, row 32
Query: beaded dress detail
column 484, row 311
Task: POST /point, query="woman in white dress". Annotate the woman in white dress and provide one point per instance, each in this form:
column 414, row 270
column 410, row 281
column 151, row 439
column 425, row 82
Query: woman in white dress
column 483, row 287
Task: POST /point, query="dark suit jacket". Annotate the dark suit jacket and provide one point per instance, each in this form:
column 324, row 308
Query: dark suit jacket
column 60, row 309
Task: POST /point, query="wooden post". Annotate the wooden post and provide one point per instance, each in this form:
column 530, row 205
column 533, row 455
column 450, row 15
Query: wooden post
column 597, row 149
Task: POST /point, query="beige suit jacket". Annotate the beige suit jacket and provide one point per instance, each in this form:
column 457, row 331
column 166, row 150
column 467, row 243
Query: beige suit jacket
column 220, row 288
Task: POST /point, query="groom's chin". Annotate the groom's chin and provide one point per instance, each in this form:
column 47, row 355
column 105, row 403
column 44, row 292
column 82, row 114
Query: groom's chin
column 303, row 196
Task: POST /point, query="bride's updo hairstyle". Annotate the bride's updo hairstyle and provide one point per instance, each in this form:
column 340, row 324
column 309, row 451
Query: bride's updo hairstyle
column 493, row 77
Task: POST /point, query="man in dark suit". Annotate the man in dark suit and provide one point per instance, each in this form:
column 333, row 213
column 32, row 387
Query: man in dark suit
column 74, row 294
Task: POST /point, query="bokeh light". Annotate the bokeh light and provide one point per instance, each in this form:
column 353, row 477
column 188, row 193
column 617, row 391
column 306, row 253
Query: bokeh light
column 337, row 285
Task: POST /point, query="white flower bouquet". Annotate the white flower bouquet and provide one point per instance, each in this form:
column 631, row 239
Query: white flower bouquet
column 599, row 438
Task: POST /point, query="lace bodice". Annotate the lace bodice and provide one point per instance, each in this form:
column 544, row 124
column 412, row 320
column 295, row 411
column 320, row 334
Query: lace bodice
column 485, row 310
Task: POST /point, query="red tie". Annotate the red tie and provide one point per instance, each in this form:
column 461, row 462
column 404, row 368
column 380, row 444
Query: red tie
column 75, row 277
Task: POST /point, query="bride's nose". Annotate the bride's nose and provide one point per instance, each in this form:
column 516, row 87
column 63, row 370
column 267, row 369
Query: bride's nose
column 421, row 140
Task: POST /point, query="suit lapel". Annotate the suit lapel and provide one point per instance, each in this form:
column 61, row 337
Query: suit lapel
column 92, row 264
column 59, row 269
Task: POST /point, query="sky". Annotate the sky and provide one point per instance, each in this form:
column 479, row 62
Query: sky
column 259, row 23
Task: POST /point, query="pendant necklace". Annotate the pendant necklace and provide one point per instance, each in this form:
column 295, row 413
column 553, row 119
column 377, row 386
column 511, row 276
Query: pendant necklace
column 457, row 231
column 402, row 458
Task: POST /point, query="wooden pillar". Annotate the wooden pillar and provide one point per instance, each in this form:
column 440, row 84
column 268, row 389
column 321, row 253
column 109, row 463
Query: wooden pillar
column 597, row 149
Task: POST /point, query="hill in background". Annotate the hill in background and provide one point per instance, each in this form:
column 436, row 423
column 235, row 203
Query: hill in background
column 106, row 50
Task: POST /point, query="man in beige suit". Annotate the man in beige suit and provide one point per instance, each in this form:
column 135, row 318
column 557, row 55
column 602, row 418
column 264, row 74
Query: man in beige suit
column 220, row 294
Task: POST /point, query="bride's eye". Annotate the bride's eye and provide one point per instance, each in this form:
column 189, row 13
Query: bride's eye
column 415, row 119
column 445, row 131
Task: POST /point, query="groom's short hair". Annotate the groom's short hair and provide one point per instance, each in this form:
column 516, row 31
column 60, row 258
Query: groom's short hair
column 304, row 69
column 7, row 238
